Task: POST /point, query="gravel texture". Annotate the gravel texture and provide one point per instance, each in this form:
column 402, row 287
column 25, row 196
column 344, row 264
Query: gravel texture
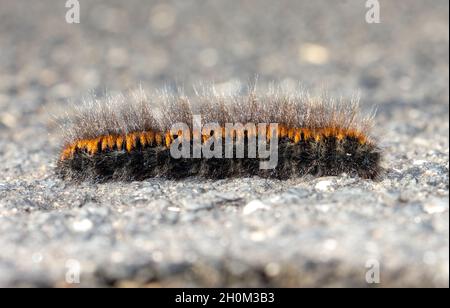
column 234, row 232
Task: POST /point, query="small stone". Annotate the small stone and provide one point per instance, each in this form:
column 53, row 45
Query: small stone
column 37, row 257
column 272, row 269
column 173, row 209
column 254, row 206
column 323, row 207
column 435, row 206
column 419, row 162
column 324, row 185
column 82, row 225
column 330, row 244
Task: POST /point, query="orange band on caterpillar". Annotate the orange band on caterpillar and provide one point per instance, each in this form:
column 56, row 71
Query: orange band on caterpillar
column 130, row 141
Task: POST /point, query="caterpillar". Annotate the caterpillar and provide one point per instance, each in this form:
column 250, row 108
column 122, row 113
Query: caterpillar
column 131, row 136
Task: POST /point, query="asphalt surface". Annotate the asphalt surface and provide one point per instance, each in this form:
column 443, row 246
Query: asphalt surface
column 236, row 232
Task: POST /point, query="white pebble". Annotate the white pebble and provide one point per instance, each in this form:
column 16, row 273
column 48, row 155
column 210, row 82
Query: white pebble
column 82, row 225
column 324, row 185
column 419, row 162
column 254, row 206
column 435, row 206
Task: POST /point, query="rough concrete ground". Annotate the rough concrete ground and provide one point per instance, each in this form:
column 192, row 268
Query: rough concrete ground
column 234, row 232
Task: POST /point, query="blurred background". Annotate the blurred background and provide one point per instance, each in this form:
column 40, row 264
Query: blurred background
column 400, row 66
column 322, row 43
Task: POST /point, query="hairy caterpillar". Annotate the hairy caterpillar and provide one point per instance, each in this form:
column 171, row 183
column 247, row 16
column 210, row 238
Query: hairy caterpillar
column 129, row 137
